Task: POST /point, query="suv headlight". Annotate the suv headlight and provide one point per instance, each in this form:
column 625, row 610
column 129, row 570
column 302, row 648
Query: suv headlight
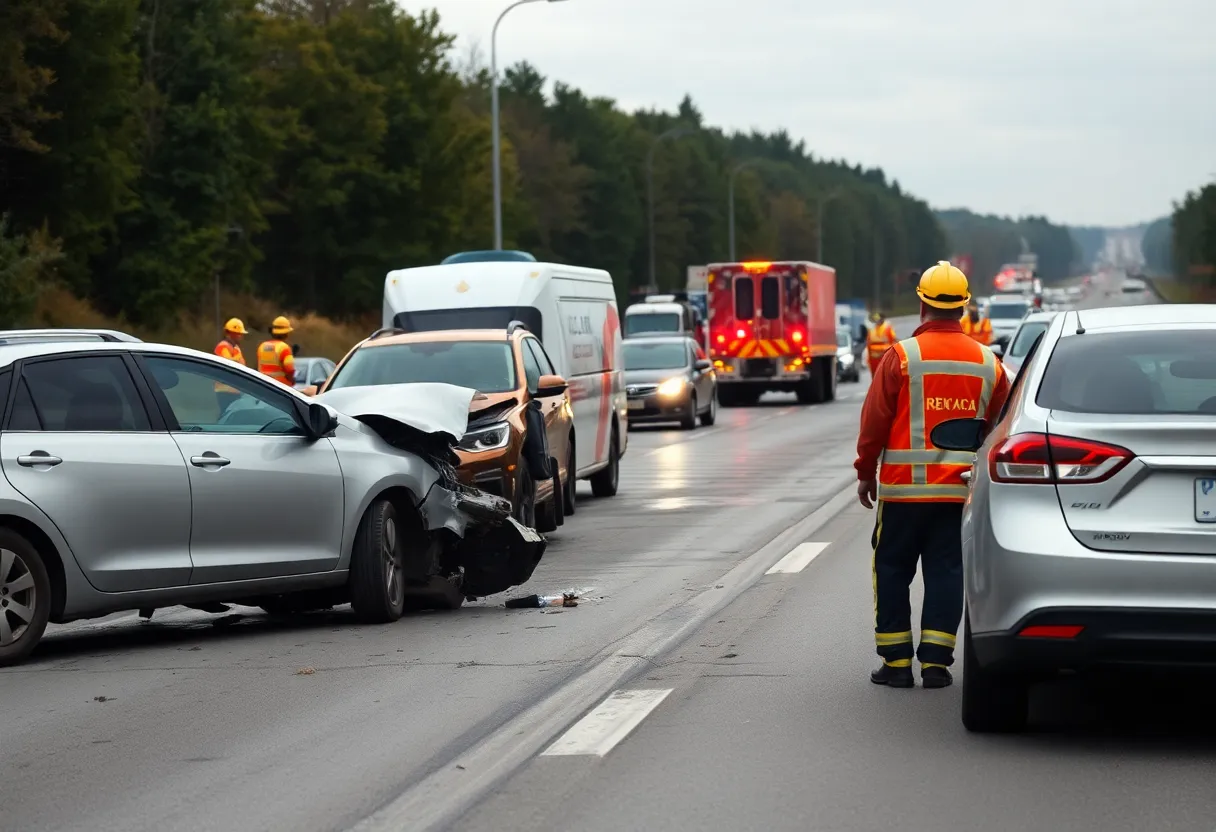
column 672, row 387
column 845, row 358
column 486, row 439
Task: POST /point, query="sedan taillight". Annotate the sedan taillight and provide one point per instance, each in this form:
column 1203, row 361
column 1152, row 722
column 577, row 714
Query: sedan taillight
column 1036, row 458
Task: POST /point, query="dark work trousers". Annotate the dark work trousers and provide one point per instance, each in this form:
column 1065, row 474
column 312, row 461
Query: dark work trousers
column 904, row 533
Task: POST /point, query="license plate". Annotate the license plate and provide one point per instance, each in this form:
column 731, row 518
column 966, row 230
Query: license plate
column 636, row 404
column 1205, row 500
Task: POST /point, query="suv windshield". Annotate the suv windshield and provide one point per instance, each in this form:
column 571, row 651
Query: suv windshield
column 485, row 366
column 655, row 356
column 1172, row 372
column 1007, row 310
column 1027, row 333
column 652, row 322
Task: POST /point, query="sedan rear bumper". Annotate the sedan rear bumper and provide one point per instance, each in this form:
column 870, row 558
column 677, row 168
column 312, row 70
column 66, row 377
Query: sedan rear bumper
column 655, row 408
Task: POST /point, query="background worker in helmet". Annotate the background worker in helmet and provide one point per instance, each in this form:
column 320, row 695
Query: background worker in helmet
column 879, row 339
column 938, row 374
column 230, row 347
column 275, row 358
column 977, row 326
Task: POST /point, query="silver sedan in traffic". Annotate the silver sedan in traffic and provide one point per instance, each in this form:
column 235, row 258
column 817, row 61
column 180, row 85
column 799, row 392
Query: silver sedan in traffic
column 1089, row 537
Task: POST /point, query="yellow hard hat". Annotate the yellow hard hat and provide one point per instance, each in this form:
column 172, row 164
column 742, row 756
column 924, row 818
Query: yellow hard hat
column 280, row 326
column 944, row 286
column 235, row 325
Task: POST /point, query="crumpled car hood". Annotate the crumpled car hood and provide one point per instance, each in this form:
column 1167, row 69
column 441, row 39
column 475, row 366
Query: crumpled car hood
column 424, row 406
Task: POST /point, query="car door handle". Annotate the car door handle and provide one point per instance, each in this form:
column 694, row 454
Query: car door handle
column 966, row 476
column 208, row 459
column 38, row 458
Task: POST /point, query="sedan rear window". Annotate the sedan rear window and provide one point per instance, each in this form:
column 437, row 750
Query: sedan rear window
column 1148, row 373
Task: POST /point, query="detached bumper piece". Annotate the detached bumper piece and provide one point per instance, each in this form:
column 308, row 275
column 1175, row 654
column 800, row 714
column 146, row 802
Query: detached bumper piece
column 1078, row 639
column 498, row 552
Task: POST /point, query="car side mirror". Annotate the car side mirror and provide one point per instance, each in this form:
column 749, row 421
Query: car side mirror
column 321, row 420
column 998, row 349
column 958, row 435
column 702, row 364
column 550, row 385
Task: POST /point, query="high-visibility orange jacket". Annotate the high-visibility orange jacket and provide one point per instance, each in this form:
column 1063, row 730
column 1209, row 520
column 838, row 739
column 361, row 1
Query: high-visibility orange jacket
column 879, row 339
column 939, row 373
column 980, row 330
column 231, row 351
column 275, row 360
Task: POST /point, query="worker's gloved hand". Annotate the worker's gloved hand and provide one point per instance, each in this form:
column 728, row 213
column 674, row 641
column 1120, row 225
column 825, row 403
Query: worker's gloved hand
column 867, row 492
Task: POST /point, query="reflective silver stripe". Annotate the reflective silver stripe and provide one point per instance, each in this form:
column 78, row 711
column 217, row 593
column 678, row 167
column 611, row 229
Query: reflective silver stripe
column 928, row 457
column 895, row 491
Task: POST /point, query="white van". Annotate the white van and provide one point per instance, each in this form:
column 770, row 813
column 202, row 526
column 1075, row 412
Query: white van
column 660, row 315
column 572, row 310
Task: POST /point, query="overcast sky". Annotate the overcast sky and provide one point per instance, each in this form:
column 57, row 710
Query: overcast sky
column 1089, row 111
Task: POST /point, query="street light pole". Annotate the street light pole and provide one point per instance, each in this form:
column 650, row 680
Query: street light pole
column 673, row 133
column 731, row 212
column 496, row 162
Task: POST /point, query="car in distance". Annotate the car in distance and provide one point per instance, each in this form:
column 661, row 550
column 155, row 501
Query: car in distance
column 1089, row 534
column 519, row 444
column 848, row 368
column 371, row 511
column 1006, row 312
column 670, row 379
column 311, row 372
column 1031, row 327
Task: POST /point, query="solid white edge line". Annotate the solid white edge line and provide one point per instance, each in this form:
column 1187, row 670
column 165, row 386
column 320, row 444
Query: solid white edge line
column 798, row 559
column 603, row 729
column 442, row 797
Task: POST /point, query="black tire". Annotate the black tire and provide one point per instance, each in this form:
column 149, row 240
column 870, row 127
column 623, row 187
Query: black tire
column 828, row 377
column 524, row 506
column 570, row 503
column 711, row 413
column 377, row 586
column 605, row 481
column 689, row 422
column 993, row 703
column 549, row 514
column 25, row 584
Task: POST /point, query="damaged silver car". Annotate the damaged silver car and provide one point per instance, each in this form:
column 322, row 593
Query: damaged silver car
column 139, row 476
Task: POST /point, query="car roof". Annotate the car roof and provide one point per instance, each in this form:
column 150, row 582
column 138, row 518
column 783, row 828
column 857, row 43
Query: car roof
column 1143, row 317
column 1039, row 315
column 37, row 349
column 660, row 339
column 1009, row 297
column 443, row 335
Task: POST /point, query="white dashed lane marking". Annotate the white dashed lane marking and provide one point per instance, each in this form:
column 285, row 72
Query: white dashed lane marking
column 798, row 559
column 603, row 729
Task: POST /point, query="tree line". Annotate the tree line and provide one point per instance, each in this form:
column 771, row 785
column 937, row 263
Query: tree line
column 1184, row 244
column 993, row 241
column 299, row 149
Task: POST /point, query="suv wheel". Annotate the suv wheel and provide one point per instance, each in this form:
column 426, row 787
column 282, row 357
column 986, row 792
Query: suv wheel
column 571, row 484
column 604, row 482
column 377, row 587
column 689, row 422
column 711, row 414
column 25, row 597
column 550, row 514
column 992, row 702
column 525, row 498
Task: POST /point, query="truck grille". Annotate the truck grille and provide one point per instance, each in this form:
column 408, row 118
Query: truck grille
column 758, row 367
column 634, row 390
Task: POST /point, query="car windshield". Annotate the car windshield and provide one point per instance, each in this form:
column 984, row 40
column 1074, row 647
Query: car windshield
column 668, row 356
column 1026, row 336
column 1171, row 372
column 1007, row 310
column 652, row 322
column 486, row 366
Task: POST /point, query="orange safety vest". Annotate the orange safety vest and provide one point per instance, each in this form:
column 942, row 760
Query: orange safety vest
column 981, row 330
column 231, row 351
column 880, row 339
column 275, row 360
column 947, row 375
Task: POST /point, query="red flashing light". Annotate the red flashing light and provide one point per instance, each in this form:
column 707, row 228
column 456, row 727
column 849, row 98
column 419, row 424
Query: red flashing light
column 1051, row 631
column 757, row 266
column 1036, row 458
column 741, row 333
column 721, row 338
column 797, row 336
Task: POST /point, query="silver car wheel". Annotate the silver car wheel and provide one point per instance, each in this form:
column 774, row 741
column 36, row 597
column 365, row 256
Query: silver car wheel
column 392, row 561
column 18, row 597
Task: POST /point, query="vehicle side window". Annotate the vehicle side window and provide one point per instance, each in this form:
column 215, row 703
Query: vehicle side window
column 745, row 299
column 531, row 367
column 542, row 358
column 770, row 298
column 1019, row 380
column 692, row 355
column 84, row 394
column 699, row 352
column 209, row 398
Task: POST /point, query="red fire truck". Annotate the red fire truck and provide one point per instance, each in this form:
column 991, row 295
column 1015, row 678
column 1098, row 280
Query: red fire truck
column 772, row 327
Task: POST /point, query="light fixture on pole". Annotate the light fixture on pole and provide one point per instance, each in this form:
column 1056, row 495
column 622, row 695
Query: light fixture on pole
column 496, row 162
column 673, row 133
column 731, row 208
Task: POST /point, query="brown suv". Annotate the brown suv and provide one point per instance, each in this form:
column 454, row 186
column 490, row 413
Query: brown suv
column 518, row 443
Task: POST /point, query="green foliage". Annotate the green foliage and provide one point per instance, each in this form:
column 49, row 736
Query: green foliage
column 1157, row 246
column 1194, row 242
column 994, row 241
column 24, row 263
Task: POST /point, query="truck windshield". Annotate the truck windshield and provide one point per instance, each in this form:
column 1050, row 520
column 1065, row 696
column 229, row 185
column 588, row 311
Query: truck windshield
column 651, row 322
column 485, row 366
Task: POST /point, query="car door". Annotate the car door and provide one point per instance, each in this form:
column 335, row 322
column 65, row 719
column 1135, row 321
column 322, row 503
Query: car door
column 556, row 427
column 703, row 379
column 85, row 446
column 267, row 500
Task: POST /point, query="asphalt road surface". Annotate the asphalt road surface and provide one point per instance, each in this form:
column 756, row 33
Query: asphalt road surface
column 712, row 677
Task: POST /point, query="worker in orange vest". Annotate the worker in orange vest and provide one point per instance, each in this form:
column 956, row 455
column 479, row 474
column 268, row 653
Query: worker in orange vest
column 879, row 339
column 230, row 347
column 977, row 326
column 938, row 374
column 275, row 357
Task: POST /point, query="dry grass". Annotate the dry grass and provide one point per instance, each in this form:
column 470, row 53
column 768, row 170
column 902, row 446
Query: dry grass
column 315, row 334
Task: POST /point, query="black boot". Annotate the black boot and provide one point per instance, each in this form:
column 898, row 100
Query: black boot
column 936, row 677
column 893, row 677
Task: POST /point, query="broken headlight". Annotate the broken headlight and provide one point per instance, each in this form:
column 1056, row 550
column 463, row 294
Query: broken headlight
column 486, row 439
